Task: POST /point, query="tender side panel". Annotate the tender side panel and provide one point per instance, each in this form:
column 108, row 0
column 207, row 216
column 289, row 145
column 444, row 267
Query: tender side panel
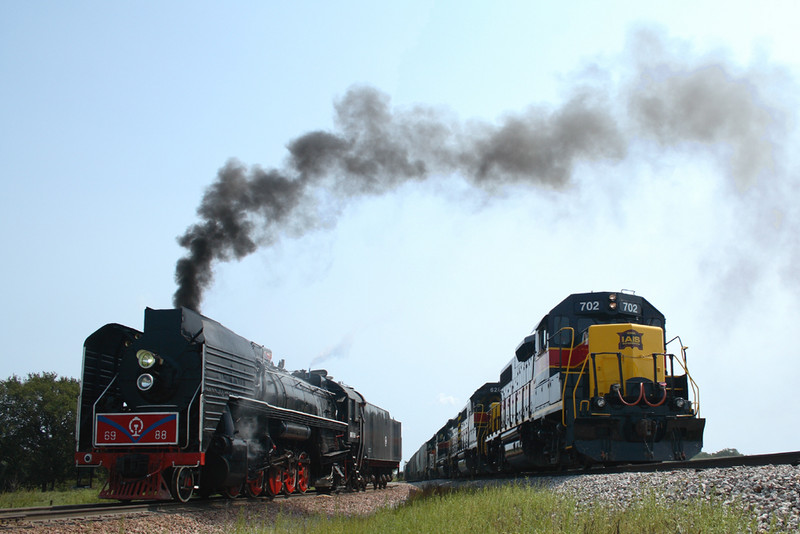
column 397, row 441
column 383, row 440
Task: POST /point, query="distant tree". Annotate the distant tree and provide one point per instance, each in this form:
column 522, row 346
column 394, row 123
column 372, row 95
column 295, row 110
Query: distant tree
column 724, row 453
column 37, row 430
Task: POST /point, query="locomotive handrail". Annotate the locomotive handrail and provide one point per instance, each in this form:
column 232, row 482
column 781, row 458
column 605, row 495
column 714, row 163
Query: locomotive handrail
column 494, row 417
column 574, row 395
column 560, row 349
column 188, row 411
column 561, row 364
column 663, row 385
column 361, row 437
column 685, row 366
column 291, row 415
column 197, row 464
column 593, row 356
column 623, row 391
column 94, row 407
column 692, row 383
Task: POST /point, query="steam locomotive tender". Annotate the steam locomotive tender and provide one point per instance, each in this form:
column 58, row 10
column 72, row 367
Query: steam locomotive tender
column 592, row 384
column 189, row 405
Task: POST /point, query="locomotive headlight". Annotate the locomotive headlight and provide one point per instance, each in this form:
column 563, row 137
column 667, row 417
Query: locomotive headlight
column 145, row 381
column 679, row 403
column 600, row 402
column 146, row 359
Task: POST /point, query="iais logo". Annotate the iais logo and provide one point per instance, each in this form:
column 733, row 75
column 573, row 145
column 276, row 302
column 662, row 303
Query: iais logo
column 630, row 339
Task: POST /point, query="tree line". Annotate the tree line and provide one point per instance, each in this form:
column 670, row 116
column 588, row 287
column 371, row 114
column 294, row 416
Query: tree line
column 37, row 431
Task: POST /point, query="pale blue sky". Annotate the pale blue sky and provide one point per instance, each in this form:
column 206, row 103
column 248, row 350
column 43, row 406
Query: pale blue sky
column 115, row 117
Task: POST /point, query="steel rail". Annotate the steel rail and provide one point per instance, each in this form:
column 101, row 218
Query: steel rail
column 38, row 513
column 10, row 518
column 783, row 458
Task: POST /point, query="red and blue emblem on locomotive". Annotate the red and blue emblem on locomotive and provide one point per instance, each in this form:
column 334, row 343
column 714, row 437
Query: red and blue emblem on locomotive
column 136, row 429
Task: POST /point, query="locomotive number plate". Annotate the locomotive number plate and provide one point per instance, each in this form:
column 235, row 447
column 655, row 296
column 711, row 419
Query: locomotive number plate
column 136, row 429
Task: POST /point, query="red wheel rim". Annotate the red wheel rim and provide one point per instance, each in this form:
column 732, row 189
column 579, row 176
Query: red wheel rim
column 289, row 480
column 274, row 481
column 255, row 485
column 303, row 475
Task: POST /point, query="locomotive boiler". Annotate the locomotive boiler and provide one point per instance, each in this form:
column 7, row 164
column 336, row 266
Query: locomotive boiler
column 188, row 405
column 592, row 384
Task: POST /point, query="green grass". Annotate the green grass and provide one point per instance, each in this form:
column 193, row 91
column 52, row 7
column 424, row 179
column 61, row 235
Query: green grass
column 513, row 509
column 29, row 498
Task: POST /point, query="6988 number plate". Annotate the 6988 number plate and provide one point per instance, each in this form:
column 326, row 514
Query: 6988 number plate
column 136, row 429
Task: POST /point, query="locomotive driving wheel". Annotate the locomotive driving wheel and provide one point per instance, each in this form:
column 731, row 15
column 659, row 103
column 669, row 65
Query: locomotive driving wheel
column 303, row 473
column 231, row 492
column 182, row 483
column 254, row 486
column 289, row 480
column 274, row 481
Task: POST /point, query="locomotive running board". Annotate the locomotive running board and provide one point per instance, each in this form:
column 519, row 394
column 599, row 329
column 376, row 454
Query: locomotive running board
column 286, row 414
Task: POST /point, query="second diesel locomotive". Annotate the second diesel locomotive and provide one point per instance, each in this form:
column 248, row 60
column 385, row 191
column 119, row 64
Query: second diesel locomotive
column 592, row 384
column 189, row 405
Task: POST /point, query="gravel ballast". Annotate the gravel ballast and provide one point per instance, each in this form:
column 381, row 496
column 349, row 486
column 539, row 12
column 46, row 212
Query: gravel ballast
column 770, row 493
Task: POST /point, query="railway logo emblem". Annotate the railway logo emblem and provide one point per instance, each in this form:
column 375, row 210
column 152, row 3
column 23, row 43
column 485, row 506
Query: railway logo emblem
column 136, row 426
column 630, row 339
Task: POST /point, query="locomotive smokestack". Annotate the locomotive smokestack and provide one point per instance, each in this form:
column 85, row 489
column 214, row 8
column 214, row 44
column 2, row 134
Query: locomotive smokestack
column 663, row 96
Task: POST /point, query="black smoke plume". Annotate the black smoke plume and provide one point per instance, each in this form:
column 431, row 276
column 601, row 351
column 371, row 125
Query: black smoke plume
column 663, row 96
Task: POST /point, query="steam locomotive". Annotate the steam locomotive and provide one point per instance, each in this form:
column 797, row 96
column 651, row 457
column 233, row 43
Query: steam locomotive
column 189, row 405
column 592, row 384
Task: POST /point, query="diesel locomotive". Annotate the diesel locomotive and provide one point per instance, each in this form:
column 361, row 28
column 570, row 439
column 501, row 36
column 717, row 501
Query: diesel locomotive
column 592, row 384
column 187, row 405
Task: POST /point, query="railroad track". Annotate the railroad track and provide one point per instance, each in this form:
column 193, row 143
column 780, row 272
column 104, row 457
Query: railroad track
column 783, row 458
column 9, row 517
column 41, row 513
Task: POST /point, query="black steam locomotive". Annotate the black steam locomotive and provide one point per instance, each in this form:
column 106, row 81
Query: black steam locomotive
column 592, row 384
column 189, row 405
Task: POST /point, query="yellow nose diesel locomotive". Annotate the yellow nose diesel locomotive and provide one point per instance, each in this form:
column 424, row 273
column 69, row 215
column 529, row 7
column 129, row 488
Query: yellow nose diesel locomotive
column 189, row 405
column 594, row 383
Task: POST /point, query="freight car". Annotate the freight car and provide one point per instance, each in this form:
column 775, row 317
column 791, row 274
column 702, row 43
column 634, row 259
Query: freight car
column 592, row 384
column 188, row 405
